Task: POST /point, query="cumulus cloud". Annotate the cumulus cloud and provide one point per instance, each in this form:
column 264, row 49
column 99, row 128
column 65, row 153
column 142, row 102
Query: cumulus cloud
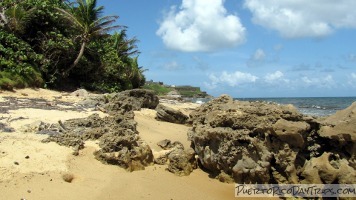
column 353, row 75
column 276, row 77
column 322, row 82
column 171, row 66
column 259, row 55
column 352, row 80
column 303, row 18
column 231, row 79
column 257, row 59
column 201, row 25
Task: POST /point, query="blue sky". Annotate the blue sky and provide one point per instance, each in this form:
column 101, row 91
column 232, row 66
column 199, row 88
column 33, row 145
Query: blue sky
column 246, row 48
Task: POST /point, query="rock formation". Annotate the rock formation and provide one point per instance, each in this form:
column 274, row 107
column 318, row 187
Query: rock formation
column 167, row 114
column 117, row 134
column 180, row 162
column 132, row 100
column 258, row 142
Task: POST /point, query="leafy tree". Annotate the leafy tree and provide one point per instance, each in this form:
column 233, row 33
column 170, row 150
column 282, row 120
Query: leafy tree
column 37, row 44
column 19, row 64
column 18, row 18
column 86, row 18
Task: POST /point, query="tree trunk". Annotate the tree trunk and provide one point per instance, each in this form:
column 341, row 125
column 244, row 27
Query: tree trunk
column 81, row 52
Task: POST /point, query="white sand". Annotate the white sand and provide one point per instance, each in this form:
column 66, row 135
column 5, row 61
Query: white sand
column 40, row 176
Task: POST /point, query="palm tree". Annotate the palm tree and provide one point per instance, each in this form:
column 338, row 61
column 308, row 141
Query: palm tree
column 86, row 19
column 17, row 19
column 135, row 73
column 124, row 46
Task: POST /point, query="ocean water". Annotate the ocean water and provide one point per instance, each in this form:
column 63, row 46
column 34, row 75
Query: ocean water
column 316, row 106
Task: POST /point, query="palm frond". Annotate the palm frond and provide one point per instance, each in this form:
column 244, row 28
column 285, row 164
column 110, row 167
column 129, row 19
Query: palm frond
column 19, row 18
column 70, row 17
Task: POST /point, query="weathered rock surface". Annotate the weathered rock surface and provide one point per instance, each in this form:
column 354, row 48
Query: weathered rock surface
column 182, row 162
column 340, row 130
column 80, row 93
column 6, row 128
column 269, row 143
column 164, row 144
column 131, row 100
column 167, row 114
column 117, row 134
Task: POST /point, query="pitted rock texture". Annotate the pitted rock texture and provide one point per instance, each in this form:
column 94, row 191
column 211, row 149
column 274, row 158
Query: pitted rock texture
column 128, row 100
column 259, row 142
column 167, row 114
column 182, row 162
column 117, row 134
column 131, row 100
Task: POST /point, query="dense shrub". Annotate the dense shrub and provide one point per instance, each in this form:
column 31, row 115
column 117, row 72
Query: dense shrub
column 19, row 64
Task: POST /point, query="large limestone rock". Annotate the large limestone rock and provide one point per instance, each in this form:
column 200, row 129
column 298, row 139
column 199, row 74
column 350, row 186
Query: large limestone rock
column 119, row 140
column 328, row 168
column 265, row 142
column 131, row 100
column 130, row 155
column 340, row 130
column 291, row 132
column 167, row 114
column 182, row 162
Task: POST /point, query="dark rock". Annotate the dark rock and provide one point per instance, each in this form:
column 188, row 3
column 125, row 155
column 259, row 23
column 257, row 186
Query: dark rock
column 177, row 145
column 167, row 144
column 291, row 132
column 129, row 157
column 260, row 142
column 66, row 139
column 328, row 168
column 6, row 128
column 80, row 93
column 167, row 114
column 119, row 140
column 94, row 100
column 131, row 100
column 161, row 160
column 182, row 162
column 164, row 144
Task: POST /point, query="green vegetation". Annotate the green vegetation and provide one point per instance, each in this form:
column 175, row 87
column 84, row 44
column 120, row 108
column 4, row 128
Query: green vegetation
column 64, row 44
column 185, row 91
column 158, row 88
column 189, row 91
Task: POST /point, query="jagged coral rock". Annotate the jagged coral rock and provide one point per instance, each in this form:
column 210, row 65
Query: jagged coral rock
column 265, row 142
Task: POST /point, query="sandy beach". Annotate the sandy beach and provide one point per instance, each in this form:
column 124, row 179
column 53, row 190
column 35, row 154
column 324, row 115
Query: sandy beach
column 30, row 169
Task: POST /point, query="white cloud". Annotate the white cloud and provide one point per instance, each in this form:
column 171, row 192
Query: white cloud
column 275, row 77
column 173, row 65
column 303, row 18
column 322, row 82
column 231, row 79
column 352, row 80
column 259, row 55
column 353, row 75
column 257, row 59
column 201, row 25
